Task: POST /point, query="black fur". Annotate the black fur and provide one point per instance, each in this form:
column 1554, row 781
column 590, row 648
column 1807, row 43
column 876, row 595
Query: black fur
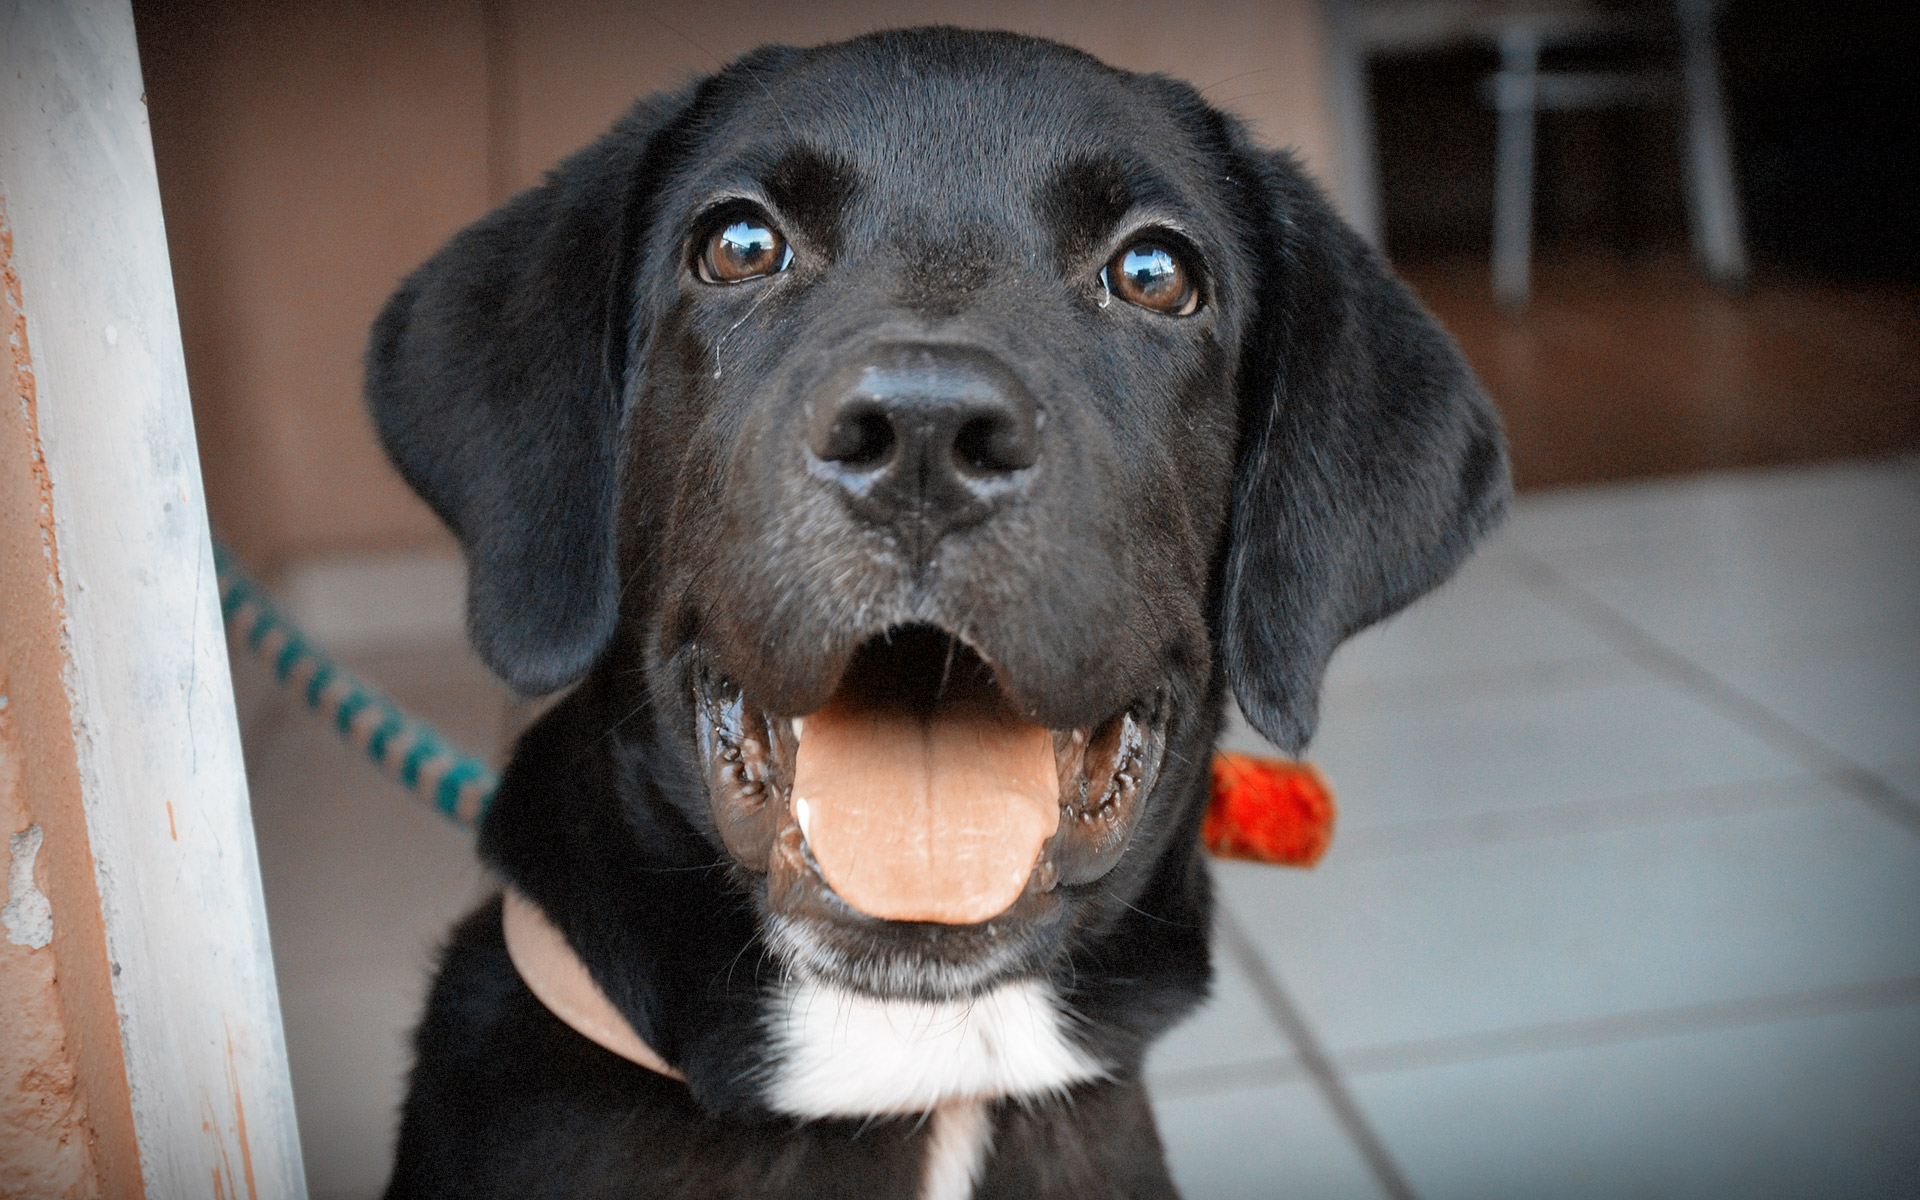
column 1219, row 500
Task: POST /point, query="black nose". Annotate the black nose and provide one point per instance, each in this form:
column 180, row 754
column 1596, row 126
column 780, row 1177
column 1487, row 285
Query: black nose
column 930, row 433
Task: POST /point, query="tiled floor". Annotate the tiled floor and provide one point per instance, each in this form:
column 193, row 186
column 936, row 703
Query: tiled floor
column 1625, row 901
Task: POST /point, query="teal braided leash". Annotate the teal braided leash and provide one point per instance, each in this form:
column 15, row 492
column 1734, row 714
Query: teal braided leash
column 409, row 751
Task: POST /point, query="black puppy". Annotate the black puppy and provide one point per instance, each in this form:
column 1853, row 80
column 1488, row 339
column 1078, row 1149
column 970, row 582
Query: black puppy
column 871, row 432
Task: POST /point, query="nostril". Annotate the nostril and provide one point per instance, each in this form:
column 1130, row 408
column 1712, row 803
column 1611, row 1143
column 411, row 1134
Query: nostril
column 860, row 436
column 994, row 443
column 923, row 433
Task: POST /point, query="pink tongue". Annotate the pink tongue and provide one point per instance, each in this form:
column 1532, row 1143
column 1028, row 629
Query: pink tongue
column 925, row 818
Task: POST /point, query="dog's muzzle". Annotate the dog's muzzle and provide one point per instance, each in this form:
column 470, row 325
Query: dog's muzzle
column 918, row 794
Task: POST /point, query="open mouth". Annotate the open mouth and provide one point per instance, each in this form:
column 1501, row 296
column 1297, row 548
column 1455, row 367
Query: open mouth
column 918, row 793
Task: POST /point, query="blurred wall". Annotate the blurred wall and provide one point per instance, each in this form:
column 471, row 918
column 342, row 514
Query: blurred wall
column 311, row 154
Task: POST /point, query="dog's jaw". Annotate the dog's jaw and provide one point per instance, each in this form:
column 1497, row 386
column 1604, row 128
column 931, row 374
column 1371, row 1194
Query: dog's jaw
column 1105, row 777
column 842, row 1053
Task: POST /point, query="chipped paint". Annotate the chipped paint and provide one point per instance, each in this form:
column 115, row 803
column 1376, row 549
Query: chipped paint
column 44, row 1131
column 27, row 915
column 60, row 1066
column 22, row 384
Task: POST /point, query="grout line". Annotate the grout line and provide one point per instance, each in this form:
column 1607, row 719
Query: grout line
column 1577, row 818
column 1313, row 1058
column 1711, row 1017
column 1649, row 651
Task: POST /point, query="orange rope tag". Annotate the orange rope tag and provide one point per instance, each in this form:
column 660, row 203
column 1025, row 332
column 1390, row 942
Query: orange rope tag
column 1270, row 810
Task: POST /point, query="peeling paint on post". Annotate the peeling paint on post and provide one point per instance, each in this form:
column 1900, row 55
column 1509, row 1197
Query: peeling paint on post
column 27, row 915
column 155, row 745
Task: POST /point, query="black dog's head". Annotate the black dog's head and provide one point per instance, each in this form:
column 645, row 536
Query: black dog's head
column 926, row 431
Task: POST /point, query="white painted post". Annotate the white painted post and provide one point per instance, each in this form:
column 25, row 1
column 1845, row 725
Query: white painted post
column 152, row 703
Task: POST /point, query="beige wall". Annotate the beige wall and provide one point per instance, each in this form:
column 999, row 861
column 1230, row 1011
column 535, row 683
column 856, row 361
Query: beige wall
column 312, row 153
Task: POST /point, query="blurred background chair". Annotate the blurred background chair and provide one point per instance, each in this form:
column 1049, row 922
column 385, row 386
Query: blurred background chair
column 1655, row 55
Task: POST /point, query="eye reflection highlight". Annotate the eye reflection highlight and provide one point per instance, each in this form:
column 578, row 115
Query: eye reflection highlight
column 742, row 250
column 1151, row 276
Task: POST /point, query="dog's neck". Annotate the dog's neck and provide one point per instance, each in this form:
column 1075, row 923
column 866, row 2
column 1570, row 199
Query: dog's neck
column 559, row 980
column 960, row 1131
column 838, row 1054
column 583, row 833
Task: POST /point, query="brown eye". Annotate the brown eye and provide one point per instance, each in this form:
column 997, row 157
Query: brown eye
column 743, row 250
column 1152, row 277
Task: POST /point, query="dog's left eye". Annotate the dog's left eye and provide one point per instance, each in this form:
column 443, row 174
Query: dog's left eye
column 742, row 250
column 1152, row 276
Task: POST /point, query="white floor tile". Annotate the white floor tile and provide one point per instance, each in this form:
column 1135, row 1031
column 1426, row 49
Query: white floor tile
column 1857, row 691
column 1465, row 941
column 1799, row 504
column 1745, row 558
column 402, row 598
column 1467, row 628
column 1740, row 594
column 1579, row 817
column 1521, row 750
column 1261, row 1144
column 1820, row 1109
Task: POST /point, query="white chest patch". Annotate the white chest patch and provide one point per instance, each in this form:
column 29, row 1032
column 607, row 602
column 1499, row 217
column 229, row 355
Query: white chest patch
column 959, row 1134
column 839, row 1053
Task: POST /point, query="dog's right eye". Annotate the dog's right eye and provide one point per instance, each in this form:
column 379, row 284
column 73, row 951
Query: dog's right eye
column 741, row 250
column 1152, row 276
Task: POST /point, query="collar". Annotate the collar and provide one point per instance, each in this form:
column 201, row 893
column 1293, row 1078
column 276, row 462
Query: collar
column 1267, row 810
column 558, row 979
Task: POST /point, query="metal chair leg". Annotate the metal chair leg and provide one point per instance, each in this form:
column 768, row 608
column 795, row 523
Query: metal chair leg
column 1353, row 115
column 1515, row 96
column 1713, row 203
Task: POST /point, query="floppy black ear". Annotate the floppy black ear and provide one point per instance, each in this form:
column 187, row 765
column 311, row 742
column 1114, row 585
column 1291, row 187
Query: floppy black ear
column 495, row 374
column 1370, row 460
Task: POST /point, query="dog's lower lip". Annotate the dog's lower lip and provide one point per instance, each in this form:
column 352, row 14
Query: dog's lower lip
column 749, row 756
column 748, row 769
